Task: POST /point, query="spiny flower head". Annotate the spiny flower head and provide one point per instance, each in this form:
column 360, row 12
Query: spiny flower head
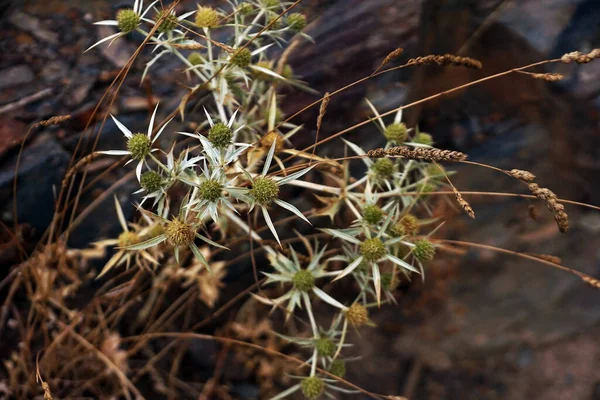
column 383, row 167
column 296, row 21
column 220, row 135
column 396, row 132
column 372, row 249
column 423, row 138
column 245, row 8
column 241, row 58
column 139, row 145
column 211, row 190
column 312, row 387
column 151, row 181
column 424, row 250
column 273, row 136
column 269, row 3
column 304, row 280
column 427, row 187
column 128, row 238
column 372, row 214
column 168, row 23
column 127, row 20
column 207, row 17
column 434, row 170
column 407, row 225
column 325, row 347
column 264, row 190
column 195, row 58
column 357, row 314
column 274, row 22
column 179, row 233
column 338, row 368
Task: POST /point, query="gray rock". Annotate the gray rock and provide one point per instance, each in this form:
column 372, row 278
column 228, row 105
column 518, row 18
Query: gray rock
column 14, row 76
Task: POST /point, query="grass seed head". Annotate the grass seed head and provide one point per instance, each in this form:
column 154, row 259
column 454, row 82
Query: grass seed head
column 127, row 20
column 139, row 145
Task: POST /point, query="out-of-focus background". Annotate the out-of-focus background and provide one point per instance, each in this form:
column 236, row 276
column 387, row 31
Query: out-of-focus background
column 483, row 325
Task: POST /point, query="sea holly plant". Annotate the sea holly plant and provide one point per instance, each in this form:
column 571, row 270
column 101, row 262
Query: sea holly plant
column 233, row 178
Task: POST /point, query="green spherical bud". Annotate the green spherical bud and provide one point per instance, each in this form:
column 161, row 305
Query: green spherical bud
column 169, row 22
column 423, row 138
column 211, row 190
column 427, row 187
column 383, row 168
column 357, row 314
column 338, row 368
column 179, row 233
column 296, row 22
column 195, row 58
column 372, row 249
column 270, row 3
column 151, row 181
column 287, row 72
column 264, row 190
column 274, row 22
column 206, row 17
column 424, row 250
column 312, row 387
column 127, row 20
column 245, row 8
column 372, row 214
column 396, row 133
column 389, row 281
column 139, row 145
column 407, row 225
column 303, row 280
column 220, row 135
column 241, row 58
column 325, row 347
column 128, row 239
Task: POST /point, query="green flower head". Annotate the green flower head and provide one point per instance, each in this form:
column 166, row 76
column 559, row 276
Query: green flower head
column 127, row 20
column 372, row 249
column 325, row 347
column 245, row 8
column 168, row 23
column 264, row 190
column 396, row 133
column 424, row 250
column 195, row 58
column 179, row 233
column 128, row 239
column 372, row 214
column 220, row 135
column 383, row 167
column 211, row 190
column 312, row 387
column 206, row 17
column 151, row 181
column 338, row 368
column 303, row 280
column 139, row 145
column 423, row 138
column 296, row 22
column 241, row 58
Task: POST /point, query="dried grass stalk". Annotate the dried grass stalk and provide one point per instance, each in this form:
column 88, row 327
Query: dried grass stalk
column 392, row 55
column 58, row 119
column 579, row 57
column 591, row 281
column 322, row 110
column 446, row 60
column 463, row 203
column 547, row 257
column 521, row 175
column 419, row 153
column 560, row 216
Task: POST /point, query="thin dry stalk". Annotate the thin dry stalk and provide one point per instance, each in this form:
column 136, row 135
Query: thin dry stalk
column 547, row 257
column 446, row 60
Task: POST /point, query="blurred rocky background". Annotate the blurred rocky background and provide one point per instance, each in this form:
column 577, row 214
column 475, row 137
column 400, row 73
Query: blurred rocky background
column 482, row 325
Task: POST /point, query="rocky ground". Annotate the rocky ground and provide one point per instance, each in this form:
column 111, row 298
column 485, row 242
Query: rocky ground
column 483, row 325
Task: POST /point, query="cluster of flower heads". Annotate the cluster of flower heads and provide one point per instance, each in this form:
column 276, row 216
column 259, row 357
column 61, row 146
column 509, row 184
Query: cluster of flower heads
column 233, row 169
